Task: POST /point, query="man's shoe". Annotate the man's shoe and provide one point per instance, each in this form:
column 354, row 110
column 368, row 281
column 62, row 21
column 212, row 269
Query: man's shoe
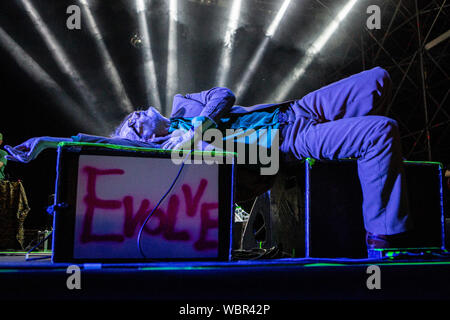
column 381, row 241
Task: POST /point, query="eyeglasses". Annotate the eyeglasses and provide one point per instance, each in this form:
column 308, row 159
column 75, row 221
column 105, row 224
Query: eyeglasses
column 131, row 123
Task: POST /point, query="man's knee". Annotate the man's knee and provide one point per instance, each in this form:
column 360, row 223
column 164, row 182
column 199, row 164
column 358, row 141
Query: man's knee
column 382, row 135
column 382, row 77
column 390, row 123
column 386, row 127
column 384, row 122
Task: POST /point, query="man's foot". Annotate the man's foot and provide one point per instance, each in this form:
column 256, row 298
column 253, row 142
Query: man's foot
column 381, row 241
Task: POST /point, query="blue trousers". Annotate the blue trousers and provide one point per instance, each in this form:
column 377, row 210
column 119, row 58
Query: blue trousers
column 344, row 120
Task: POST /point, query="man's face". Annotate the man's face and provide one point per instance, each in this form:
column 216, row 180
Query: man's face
column 142, row 125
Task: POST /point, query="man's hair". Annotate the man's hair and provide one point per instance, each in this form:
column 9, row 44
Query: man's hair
column 116, row 133
column 158, row 123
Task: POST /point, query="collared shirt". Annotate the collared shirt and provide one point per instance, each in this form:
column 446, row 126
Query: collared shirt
column 248, row 128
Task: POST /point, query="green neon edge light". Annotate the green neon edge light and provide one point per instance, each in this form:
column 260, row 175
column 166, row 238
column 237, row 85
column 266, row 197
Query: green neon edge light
column 129, row 148
column 307, row 265
column 312, row 161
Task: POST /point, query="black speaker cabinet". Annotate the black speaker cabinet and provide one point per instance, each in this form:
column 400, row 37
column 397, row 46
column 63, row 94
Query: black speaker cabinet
column 316, row 208
column 125, row 204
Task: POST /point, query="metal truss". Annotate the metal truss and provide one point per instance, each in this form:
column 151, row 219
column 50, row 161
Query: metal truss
column 413, row 45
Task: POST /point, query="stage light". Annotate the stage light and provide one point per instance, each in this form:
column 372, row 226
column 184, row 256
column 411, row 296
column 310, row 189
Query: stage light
column 108, row 64
column 151, row 84
column 246, row 79
column 298, row 71
column 172, row 55
column 276, row 22
column 225, row 61
column 63, row 61
column 73, row 111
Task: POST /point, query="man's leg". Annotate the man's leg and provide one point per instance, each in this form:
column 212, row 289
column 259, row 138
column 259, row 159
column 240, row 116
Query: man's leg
column 365, row 93
column 375, row 142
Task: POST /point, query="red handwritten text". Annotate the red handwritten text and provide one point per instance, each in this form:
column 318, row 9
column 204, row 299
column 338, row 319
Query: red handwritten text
column 167, row 219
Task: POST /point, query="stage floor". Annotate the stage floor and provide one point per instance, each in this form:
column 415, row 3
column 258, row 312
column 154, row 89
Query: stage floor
column 258, row 280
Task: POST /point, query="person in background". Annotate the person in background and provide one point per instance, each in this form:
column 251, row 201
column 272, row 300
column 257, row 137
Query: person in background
column 3, row 159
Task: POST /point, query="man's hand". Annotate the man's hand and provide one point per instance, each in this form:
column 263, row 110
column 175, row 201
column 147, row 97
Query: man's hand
column 31, row 148
column 26, row 151
column 180, row 140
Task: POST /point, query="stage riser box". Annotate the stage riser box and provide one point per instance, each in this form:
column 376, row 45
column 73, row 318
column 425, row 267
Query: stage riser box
column 104, row 196
column 316, row 209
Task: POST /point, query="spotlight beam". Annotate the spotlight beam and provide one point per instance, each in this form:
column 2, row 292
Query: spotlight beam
column 108, row 64
column 151, row 88
column 82, row 119
column 276, row 22
column 246, row 79
column 225, row 61
column 172, row 55
column 286, row 86
column 63, row 61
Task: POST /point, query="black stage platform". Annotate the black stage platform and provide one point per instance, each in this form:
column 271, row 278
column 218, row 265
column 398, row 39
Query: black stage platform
column 289, row 279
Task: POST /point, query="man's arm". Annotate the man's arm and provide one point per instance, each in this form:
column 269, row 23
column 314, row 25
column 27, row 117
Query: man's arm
column 31, row 148
column 210, row 104
column 206, row 108
column 217, row 101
